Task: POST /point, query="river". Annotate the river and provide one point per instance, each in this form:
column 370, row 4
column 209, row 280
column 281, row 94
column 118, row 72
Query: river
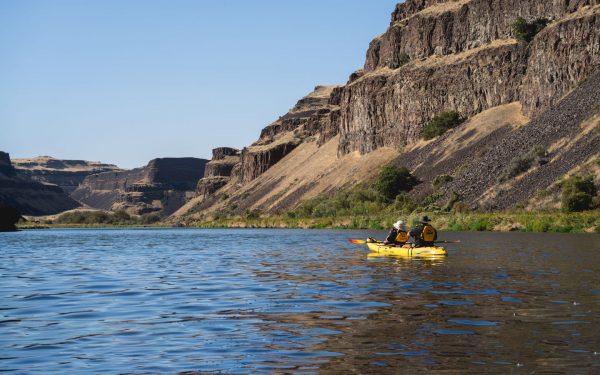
column 295, row 301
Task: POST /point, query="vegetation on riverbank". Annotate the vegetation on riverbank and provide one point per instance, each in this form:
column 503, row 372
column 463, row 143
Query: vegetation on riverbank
column 379, row 204
column 579, row 222
column 551, row 221
column 376, row 206
column 94, row 219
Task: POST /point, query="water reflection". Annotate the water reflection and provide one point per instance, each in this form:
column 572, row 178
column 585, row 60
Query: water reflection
column 186, row 300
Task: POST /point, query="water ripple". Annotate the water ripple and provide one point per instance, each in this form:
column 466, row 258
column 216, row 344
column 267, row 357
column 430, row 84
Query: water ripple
column 290, row 301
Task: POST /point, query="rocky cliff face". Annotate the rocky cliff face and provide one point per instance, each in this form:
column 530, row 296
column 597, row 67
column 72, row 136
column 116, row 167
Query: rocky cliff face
column 30, row 197
column 67, row 174
column 218, row 170
column 569, row 132
column 436, row 56
column 162, row 186
column 460, row 55
column 312, row 116
column 560, row 58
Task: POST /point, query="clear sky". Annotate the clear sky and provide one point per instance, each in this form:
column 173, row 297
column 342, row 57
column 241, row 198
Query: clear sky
column 126, row 81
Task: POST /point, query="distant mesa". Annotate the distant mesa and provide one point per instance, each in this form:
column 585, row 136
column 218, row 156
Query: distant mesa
column 19, row 191
column 67, row 174
column 162, row 187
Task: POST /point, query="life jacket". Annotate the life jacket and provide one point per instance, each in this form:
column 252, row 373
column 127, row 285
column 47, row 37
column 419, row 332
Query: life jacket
column 402, row 236
column 428, row 234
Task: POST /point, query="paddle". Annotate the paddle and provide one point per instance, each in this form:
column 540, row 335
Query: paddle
column 356, row 242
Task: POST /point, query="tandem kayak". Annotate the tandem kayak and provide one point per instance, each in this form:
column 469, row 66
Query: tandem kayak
column 423, row 252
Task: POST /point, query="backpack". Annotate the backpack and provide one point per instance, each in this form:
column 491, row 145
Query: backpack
column 428, row 234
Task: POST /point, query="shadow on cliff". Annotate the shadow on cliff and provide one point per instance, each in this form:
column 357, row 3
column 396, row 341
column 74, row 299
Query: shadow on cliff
column 9, row 216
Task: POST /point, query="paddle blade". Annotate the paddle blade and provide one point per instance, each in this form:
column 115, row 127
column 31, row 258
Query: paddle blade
column 356, row 241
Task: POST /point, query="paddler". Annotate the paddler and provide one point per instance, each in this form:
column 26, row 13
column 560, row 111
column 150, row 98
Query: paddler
column 424, row 233
column 398, row 235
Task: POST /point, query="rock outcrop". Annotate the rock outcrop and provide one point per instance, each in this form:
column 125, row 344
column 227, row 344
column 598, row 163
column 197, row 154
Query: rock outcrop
column 9, row 216
column 561, row 57
column 67, row 174
column 30, row 197
column 459, row 55
column 163, row 186
column 558, row 131
column 436, row 56
column 218, row 170
column 313, row 115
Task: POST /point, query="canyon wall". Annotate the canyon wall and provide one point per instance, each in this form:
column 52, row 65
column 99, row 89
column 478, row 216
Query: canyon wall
column 218, row 170
column 310, row 117
column 460, row 55
column 67, row 174
column 162, row 186
column 30, row 197
column 435, row 56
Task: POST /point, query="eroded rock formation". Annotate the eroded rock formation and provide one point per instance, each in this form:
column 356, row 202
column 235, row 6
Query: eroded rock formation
column 163, row 186
column 436, row 56
column 30, row 197
column 459, row 55
column 218, row 170
column 314, row 115
column 67, row 174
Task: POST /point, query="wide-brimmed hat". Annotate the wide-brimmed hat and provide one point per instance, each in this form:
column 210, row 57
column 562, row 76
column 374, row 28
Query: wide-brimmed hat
column 425, row 219
column 399, row 224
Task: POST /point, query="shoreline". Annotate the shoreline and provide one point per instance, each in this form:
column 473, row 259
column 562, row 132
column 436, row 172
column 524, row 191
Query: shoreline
column 532, row 222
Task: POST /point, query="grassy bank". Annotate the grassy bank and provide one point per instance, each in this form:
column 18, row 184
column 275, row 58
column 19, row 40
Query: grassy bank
column 27, row 226
column 578, row 222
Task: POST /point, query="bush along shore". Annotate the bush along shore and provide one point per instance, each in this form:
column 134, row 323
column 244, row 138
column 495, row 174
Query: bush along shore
column 579, row 222
column 94, row 219
column 524, row 221
column 379, row 204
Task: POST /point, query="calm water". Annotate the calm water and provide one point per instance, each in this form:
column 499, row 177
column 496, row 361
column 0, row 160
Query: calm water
column 293, row 301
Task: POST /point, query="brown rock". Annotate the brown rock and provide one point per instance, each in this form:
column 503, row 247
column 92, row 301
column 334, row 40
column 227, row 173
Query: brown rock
column 19, row 191
column 562, row 56
column 164, row 185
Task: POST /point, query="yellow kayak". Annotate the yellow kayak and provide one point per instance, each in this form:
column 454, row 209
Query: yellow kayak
column 423, row 252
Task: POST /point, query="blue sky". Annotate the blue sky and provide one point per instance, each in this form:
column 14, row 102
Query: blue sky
column 126, row 81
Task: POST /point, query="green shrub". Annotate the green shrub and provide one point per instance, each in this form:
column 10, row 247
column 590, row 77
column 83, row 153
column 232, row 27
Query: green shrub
column 480, row 224
column 461, row 207
column 441, row 179
column 358, row 201
column 454, row 199
column 122, row 215
column 150, row 218
column 577, row 193
column 403, row 59
column 542, row 193
column 392, row 180
column 521, row 164
column 526, row 31
column 440, row 124
column 404, row 203
column 252, row 214
column 432, row 198
column 87, row 217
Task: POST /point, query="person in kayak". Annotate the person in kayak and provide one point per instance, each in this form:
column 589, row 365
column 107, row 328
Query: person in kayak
column 424, row 233
column 398, row 234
